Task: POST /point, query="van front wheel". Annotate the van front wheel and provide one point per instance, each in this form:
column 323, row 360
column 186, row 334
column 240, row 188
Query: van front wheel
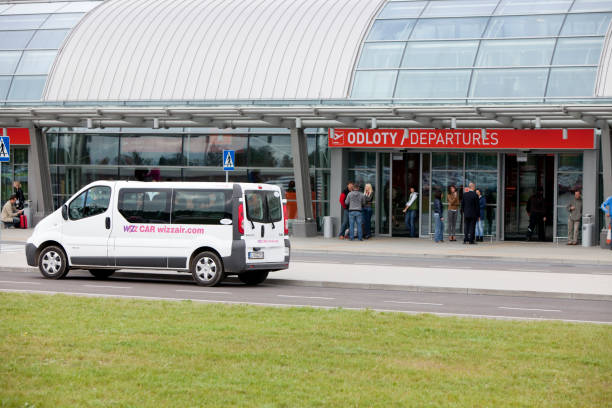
column 253, row 277
column 52, row 262
column 206, row 269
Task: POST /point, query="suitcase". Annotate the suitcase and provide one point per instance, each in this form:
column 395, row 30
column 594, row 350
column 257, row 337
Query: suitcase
column 23, row 221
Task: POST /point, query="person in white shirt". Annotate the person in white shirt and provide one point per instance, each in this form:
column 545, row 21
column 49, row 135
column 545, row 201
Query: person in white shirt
column 411, row 208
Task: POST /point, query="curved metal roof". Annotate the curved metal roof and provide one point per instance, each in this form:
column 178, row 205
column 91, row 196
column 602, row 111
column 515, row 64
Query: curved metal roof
column 211, row 50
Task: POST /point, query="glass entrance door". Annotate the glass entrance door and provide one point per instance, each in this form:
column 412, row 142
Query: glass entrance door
column 405, row 173
column 522, row 180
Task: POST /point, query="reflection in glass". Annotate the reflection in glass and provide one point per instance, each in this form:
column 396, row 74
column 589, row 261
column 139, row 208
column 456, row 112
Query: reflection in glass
column 402, row 9
column 381, row 55
column 435, row 54
column 14, row 40
column 452, row 28
column 533, row 7
column 526, row 82
column 24, row 22
column 508, row 53
column 207, row 150
column 374, row 84
column 481, row 161
column 5, row 83
column 36, row 62
column 578, row 51
column 570, row 162
column 433, row 84
column 459, row 8
column 524, row 26
column 151, row 150
column 391, row 30
column 62, row 20
column 8, row 61
column 48, row 39
column 270, row 151
column 447, row 161
column 571, row 82
column 591, row 5
column 586, row 24
column 27, row 88
column 87, row 149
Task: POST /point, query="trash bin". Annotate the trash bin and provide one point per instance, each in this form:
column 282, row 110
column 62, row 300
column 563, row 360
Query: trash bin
column 587, row 230
column 328, row 227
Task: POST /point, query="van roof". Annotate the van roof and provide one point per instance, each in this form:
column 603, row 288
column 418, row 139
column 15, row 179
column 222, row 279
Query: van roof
column 186, row 184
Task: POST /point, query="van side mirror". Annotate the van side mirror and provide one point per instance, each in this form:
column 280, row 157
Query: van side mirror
column 65, row 211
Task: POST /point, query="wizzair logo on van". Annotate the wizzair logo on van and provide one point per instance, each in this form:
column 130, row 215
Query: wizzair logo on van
column 152, row 229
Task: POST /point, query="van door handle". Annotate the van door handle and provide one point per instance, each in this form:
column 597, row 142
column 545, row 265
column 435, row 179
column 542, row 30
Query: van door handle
column 263, row 229
column 108, row 225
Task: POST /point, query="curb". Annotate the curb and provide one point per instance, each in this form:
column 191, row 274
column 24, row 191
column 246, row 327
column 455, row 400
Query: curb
column 441, row 289
column 455, row 256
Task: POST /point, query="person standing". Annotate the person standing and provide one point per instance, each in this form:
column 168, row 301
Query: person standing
column 536, row 210
column 410, row 210
column 367, row 211
column 10, row 213
column 482, row 205
column 470, row 206
column 345, row 215
column 18, row 192
column 453, row 207
column 573, row 222
column 355, row 200
column 606, row 207
column 438, row 217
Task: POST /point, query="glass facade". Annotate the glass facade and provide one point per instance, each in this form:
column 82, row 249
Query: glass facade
column 30, row 36
column 15, row 170
column 79, row 157
column 457, row 50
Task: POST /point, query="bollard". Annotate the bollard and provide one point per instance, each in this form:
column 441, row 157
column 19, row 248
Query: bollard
column 328, row 227
column 587, row 230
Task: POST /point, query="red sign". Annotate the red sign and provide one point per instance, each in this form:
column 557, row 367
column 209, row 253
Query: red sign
column 18, row 136
column 522, row 139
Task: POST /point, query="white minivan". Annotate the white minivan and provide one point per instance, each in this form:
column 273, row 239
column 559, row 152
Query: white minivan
column 209, row 229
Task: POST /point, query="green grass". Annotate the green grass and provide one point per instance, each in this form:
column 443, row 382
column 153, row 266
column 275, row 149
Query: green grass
column 59, row 351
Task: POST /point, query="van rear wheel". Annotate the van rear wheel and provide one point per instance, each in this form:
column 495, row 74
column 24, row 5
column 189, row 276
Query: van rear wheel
column 52, row 262
column 206, row 269
column 253, row 277
column 101, row 273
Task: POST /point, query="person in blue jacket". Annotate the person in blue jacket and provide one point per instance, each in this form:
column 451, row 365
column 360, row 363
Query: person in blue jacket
column 482, row 202
column 606, row 207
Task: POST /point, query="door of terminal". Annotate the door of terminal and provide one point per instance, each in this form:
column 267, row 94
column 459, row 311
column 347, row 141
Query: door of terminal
column 522, row 180
column 405, row 173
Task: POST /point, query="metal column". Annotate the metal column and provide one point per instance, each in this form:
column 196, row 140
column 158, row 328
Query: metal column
column 606, row 157
column 337, row 183
column 39, row 176
column 590, row 183
column 305, row 225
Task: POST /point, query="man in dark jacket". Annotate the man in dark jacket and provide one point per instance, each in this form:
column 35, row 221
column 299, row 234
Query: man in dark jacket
column 536, row 210
column 345, row 214
column 470, row 206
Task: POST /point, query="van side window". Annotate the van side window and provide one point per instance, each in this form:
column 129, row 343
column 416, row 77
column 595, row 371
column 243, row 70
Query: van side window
column 201, row 206
column 89, row 203
column 145, row 206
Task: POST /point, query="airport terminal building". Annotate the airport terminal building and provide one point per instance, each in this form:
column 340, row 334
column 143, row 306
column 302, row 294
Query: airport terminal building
column 514, row 95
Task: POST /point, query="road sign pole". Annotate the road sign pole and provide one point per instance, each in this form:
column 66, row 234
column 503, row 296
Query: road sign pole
column 227, row 176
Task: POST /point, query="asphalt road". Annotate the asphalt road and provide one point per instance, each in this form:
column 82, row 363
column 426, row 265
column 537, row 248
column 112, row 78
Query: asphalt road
column 181, row 287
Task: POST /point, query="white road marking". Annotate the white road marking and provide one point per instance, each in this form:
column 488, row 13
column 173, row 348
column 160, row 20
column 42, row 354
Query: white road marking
column 204, row 291
column 108, row 286
column 529, row 310
column 528, row 270
column 24, row 283
column 414, row 303
column 372, row 263
column 410, row 312
column 306, row 297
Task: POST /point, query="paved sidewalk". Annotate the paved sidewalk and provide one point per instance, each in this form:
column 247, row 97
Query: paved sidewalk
column 515, row 250
column 431, row 279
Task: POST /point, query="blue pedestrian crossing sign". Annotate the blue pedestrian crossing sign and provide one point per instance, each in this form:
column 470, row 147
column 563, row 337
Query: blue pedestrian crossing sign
column 5, row 149
column 228, row 160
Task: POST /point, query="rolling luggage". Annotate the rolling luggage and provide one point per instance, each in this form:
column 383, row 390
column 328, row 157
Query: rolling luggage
column 23, row 221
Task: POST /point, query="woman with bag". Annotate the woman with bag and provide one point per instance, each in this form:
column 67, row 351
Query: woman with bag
column 367, row 211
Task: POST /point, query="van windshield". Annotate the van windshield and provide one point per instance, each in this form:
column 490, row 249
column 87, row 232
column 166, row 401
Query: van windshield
column 263, row 206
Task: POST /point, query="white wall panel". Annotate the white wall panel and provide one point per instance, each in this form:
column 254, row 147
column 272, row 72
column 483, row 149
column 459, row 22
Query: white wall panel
column 212, row 49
